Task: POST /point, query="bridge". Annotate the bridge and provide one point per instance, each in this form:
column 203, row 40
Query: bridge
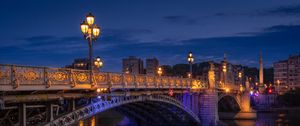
column 33, row 95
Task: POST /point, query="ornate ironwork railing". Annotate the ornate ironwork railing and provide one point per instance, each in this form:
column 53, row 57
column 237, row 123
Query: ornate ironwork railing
column 15, row 77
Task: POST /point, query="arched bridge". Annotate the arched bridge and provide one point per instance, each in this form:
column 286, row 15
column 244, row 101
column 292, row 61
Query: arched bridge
column 146, row 100
column 59, row 96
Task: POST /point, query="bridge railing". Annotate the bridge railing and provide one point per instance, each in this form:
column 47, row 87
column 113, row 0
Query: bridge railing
column 13, row 77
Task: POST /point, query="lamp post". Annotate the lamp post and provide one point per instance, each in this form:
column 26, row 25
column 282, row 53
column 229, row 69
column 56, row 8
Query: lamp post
column 224, row 69
column 190, row 59
column 240, row 81
column 98, row 62
column 90, row 32
column 159, row 71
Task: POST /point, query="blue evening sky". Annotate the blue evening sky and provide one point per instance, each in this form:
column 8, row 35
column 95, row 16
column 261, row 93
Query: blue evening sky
column 47, row 32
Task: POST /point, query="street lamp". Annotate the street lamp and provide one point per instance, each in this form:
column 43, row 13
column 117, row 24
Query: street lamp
column 159, row 71
column 240, row 81
column 240, row 75
column 98, row 62
column 90, row 32
column 227, row 90
column 190, row 59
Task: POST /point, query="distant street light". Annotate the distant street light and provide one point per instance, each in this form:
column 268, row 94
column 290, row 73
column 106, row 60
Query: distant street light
column 159, row 71
column 227, row 90
column 241, row 81
column 240, row 75
column 190, row 59
column 90, row 32
column 98, row 63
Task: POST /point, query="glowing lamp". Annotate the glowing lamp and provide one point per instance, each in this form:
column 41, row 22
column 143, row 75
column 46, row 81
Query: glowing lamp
column 96, row 31
column 90, row 19
column 227, row 90
column 270, row 91
column 98, row 90
column 171, row 92
column 159, row 71
column 190, row 57
column 84, row 27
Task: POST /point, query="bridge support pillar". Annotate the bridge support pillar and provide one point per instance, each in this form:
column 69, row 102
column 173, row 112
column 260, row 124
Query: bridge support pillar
column 22, row 114
column 195, row 103
column 245, row 103
column 209, row 108
column 49, row 112
column 73, row 105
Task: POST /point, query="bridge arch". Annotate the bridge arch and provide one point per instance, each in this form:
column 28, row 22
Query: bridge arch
column 229, row 101
column 154, row 101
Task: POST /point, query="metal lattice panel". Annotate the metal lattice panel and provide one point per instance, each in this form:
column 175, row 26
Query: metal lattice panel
column 101, row 106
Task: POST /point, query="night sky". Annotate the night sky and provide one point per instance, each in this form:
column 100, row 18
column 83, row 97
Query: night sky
column 47, row 33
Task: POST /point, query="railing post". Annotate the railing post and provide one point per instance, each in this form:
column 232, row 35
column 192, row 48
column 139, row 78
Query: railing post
column 14, row 78
column 135, row 81
column 160, row 81
column 123, row 80
column 146, row 81
column 93, row 84
column 181, row 84
column 72, row 78
column 155, row 81
column 46, row 78
column 109, row 81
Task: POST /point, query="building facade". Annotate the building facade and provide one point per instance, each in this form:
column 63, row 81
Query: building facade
column 80, row 63
column 133, row 65
column 287, row 74
column 152, row 66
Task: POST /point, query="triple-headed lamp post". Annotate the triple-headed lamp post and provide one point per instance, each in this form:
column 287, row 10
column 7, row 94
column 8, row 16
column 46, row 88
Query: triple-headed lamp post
column 98, row 62
column 90, row 32
column 190, row 59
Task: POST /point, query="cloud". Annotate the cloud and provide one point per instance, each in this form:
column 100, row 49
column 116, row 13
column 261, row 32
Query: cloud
column 70, row 44
column 39, row 38
column 277, row 42
column 178, row 19
column 291, row 10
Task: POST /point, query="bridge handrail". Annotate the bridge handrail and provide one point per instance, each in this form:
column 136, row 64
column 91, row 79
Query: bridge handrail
column 47, row 77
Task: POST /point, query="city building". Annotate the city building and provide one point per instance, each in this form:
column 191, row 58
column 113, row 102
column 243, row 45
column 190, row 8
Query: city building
column 151, row 66
column 287, row 74
column 133, row 65
column 84, row 64
column 80, row 63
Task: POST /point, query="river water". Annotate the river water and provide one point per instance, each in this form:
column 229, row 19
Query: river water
column 277, row 118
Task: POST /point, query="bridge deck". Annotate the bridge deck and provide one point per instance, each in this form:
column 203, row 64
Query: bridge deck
column 28, row 78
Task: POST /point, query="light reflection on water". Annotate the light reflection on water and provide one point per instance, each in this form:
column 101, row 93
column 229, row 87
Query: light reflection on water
column 278, row 118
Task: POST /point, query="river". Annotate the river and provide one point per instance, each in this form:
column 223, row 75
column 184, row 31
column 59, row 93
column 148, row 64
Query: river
column 276, row 118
